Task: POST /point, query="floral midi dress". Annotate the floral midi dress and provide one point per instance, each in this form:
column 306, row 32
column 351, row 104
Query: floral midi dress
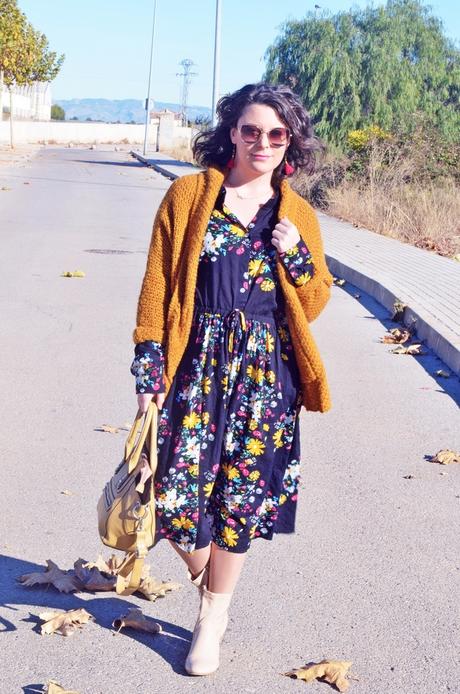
column 228, row 433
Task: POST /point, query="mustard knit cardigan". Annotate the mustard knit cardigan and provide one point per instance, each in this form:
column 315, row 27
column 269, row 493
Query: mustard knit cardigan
column 166, row 301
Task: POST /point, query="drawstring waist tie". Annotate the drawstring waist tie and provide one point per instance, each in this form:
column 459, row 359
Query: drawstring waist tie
column 236, row 320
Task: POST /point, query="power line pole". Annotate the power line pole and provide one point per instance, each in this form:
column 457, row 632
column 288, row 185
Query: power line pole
column 187, row 78
column 216, row 77
column 147, row 101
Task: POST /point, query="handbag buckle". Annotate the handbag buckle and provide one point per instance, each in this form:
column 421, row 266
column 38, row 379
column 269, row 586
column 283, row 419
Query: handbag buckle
column 137, row 516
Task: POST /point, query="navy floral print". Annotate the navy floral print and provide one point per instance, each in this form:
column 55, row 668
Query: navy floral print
column 299, row 263
column 148, row 366
column 228, row 432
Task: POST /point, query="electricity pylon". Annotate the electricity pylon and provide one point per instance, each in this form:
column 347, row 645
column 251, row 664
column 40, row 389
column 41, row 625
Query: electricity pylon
column 187, row 78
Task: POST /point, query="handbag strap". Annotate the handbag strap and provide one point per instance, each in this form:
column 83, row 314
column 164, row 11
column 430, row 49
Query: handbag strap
column 133, row 433
column 135, row 441
column 153, row 457
column 129, row 575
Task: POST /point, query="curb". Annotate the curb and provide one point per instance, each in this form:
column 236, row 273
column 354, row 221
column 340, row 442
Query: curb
column 448, row 352
column 157, row 167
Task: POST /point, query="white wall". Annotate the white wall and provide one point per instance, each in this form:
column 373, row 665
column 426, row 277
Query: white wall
column 64, row 132
column 71, row 131
column 182, row 136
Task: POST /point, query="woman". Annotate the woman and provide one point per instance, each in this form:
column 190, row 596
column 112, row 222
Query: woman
column 235, row 273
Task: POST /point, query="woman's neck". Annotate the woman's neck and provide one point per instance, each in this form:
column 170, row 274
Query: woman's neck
column 252, row 185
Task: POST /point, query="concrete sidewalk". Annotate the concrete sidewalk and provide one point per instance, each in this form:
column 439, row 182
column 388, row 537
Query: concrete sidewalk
column 427, row 284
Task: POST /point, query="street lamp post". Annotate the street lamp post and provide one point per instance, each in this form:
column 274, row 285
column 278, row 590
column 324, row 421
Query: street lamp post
column 147, row 101
column 216, row 77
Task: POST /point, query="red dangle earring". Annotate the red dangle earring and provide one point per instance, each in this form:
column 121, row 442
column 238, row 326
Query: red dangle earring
column 288, row 168
column 231, row 161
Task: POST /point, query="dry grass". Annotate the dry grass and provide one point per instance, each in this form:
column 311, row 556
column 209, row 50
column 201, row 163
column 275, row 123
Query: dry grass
column 315, row 187
column 181, row 154
column 387, row 195
column 425, row 215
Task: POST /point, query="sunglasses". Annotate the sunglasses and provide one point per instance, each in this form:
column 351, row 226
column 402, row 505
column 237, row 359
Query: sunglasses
column 277, row 137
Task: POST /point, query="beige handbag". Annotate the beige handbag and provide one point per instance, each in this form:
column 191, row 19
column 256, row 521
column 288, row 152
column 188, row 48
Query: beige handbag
column 126, row 508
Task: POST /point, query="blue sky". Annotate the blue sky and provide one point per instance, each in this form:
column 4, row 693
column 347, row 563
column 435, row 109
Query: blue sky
column 107, row 42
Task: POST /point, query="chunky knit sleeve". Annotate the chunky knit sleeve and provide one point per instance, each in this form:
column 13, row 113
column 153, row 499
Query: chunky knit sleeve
column 155, row 293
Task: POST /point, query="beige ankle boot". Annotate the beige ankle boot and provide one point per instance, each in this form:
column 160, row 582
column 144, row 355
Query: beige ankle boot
column 203, row 657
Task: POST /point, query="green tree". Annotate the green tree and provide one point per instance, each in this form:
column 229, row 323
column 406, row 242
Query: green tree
column 377, row 66
column 24, row 53
column 11, row 25
column 57, row 112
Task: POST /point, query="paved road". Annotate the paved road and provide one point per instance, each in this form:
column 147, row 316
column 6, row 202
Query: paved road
column 372, row 573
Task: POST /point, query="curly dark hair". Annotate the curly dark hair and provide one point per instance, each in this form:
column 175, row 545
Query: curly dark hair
column 214, row 147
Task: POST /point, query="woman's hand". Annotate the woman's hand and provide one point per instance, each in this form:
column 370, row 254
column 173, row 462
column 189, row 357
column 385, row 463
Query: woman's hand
column 285, row 235
column 143, row 400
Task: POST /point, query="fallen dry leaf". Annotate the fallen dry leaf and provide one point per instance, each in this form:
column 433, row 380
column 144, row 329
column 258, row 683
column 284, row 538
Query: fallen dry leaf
column 52, row 687
column 66, row 492
column 64, row 623
column 65, row 582
column 413, row 350
column 395, row 335
column 398, row 311
column 75, row 273
column 332, row 671
column 91, row 577
column 109, row 429
column 152, row 588
column 5, row 188
column 136, row 620
column 445, row 457
column 110, row 566
column 442, row 373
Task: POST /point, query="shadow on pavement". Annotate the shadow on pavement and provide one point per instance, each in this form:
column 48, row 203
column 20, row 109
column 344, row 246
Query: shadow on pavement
column 167, row 162
column 429, row 361
column 172, row 644
column 131, row 164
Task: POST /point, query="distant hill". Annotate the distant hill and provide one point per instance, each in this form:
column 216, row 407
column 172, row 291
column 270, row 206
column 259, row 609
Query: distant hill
column 123, row 110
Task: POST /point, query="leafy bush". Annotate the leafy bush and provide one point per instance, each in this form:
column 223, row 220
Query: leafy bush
column 359, row 140
column 57, row 112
